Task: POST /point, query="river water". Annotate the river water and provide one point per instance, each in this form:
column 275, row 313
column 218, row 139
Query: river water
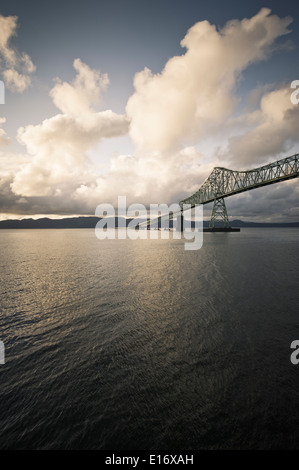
column 140, row 344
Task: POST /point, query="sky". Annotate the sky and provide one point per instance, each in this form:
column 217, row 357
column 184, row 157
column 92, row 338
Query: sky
column 143, row 99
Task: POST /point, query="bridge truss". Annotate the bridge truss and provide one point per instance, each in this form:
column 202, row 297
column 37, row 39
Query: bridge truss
column 223, row 183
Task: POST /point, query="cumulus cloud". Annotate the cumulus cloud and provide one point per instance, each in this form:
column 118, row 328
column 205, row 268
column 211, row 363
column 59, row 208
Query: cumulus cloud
column 148, row 179
column 273, row 203
column 16, row 67
column 176, row 119
column 59, row 145
column 83, row 93
column 272, row 129
column 4, row 139
column 194, row 93
column 16, row 81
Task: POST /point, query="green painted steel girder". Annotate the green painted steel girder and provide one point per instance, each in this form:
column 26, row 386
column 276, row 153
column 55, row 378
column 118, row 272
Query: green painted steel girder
column 223, row 182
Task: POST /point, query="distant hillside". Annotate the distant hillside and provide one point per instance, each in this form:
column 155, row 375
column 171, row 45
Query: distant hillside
column 240, row 223
column 90, row 222
column 72, row 222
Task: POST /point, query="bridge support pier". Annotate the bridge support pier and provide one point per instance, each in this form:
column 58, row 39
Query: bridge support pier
column 219, row 214
column 180, row 223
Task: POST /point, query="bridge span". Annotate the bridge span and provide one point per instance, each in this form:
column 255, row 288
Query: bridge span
column 223, row 183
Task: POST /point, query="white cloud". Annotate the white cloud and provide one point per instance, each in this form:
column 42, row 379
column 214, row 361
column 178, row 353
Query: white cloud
column 194, row 93
column 177, row 119
column 147, row 179
column 16, row 67
column 4, row 139
column 15, row 81
column 8, row 29
column 271, row 130
column 77, row 98
column 58, row 146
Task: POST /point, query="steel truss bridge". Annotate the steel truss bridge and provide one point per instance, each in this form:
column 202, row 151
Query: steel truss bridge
column 223, row 183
